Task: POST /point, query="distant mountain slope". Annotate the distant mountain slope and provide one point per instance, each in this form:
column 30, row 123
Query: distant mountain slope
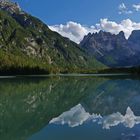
column 114, row 50
column 27, row 45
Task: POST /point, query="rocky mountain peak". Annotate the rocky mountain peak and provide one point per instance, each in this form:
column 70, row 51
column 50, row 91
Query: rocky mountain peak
column 10, row 6
column 135, row 37
column 121, row 34
column 114, row 50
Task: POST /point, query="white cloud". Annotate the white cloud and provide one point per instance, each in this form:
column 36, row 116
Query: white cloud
column 136, row 7
column 123, row 9
column 122, row 6
column 127, row 26
column 76, row 31
column 73, row 30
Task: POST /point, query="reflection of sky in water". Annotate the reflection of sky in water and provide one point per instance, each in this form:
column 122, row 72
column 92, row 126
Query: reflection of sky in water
column 117, row 101
column 77, row 116
column 78, row 124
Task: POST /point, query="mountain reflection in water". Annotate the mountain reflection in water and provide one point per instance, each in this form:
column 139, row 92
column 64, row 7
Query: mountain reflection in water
column 77, row 116
column 88, row 107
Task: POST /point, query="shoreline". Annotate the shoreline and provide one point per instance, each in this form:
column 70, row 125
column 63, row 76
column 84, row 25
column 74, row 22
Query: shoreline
column 65, row 75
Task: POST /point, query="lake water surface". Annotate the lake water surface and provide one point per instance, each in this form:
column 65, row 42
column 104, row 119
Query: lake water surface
column 70, row 108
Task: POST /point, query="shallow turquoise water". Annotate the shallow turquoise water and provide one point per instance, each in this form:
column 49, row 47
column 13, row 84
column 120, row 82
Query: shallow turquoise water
column 70, row 108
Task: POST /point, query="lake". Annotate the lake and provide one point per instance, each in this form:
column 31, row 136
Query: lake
column 70, row 108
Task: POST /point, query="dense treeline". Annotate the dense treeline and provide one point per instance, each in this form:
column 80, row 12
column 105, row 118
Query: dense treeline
column 132, row 70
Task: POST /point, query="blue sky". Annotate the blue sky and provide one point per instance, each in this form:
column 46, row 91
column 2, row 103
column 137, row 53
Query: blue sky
column 76, row 18
column 86, row 12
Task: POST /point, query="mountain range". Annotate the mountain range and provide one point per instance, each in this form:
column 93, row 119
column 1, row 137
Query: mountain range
column 28, row 46
column 112, row 50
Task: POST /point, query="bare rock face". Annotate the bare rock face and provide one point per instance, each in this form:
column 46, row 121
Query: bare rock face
column 9, row 6
column 29, row 42
column 114, row 50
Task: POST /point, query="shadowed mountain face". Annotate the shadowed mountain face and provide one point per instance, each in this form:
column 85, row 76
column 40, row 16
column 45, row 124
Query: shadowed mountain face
column 27, row 43
column 28, row 105
column 114, row 50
